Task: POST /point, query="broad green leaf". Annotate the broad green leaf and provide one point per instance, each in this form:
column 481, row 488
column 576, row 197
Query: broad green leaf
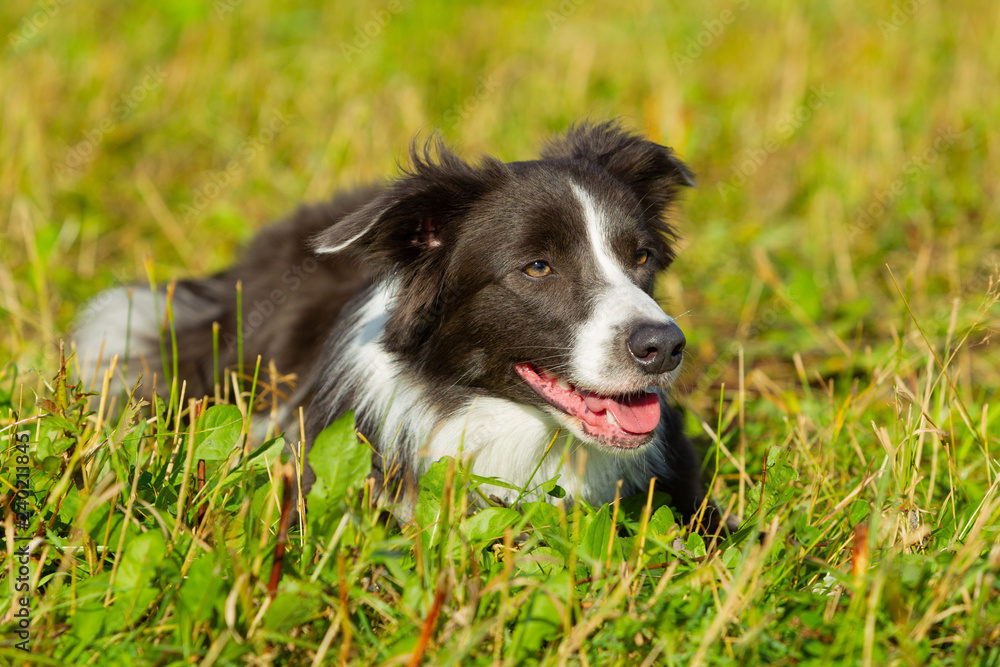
column 70, row 505
column 542, row 515
column 88, row 620
column 429, row 499
column 134, row 606
column 492, row 481
column 269, row 452
column 416, row 599
column 662, row 522
column 294, row 605
column 51, row 465
column 860, row 511
column 142, row 555
column 539, row 620
column 695, row 543
column 339, row 459
column 551, row 488
column 542, row 561
column 490, row 523
column 201, row 587
column 595, row 541
column 265, row 494
column 217, row 433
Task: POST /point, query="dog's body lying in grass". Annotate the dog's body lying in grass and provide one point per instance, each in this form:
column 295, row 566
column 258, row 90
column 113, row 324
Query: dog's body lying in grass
column 496, row 312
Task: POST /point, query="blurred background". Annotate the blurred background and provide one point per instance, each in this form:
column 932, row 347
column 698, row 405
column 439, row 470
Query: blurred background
column 834, row 142
column 836, row 280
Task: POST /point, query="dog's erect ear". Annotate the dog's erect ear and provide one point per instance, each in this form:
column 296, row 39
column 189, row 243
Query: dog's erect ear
column 650, row 170
column 410, row 221
column 407, row 232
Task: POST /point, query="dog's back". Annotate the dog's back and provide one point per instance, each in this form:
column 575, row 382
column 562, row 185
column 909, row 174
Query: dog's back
column 288, row 299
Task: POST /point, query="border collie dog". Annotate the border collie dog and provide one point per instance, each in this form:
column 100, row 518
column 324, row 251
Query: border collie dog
column 495, row 312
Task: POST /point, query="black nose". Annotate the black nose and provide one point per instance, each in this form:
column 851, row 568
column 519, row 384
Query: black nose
column 657, row 348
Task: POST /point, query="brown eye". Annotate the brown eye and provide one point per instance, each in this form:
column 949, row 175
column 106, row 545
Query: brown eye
column 538, row 269
column 641, row 256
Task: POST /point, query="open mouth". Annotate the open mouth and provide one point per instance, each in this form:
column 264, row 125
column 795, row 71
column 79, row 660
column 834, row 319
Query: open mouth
column 623, row 421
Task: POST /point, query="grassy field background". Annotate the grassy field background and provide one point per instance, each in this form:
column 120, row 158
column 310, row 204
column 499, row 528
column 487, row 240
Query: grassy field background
column 837, row 279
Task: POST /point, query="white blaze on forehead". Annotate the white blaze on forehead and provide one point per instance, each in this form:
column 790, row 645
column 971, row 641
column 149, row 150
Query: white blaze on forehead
column 600, row 357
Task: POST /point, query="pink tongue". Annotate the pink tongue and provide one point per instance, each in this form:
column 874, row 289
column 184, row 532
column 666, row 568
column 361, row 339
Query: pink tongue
column 636, row 414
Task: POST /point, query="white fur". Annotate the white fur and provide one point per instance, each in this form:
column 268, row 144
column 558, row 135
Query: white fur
column 119, row 322
column 498, row 437
column 508, row 440
column 593, row 362
column 374, row 375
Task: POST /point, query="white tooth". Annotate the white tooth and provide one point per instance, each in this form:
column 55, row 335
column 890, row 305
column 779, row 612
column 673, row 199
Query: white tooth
column 611, row 419
column 562, row 384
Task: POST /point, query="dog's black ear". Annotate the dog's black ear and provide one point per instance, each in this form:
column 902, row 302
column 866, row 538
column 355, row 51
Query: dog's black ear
column 650, row 170
column 407, row 232
column 410, row 222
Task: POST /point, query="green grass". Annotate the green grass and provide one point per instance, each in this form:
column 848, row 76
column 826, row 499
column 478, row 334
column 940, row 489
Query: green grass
column 838, row 279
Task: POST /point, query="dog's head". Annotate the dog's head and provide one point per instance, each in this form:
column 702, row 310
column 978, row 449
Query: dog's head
column 532, row 280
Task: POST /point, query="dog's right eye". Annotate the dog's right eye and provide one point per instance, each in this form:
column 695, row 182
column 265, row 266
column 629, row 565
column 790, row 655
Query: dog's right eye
column 538, row 269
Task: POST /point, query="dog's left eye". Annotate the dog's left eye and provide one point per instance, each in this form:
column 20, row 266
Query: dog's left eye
column 538, row 269
column 641, row 256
